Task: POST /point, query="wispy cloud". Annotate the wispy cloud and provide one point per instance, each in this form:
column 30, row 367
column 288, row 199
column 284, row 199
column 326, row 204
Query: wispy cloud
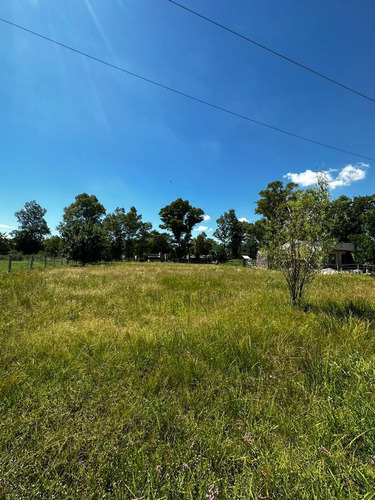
column 243, row 219
column 206, row 217
column 344, row 177
column 4, row 226
column 201, row 228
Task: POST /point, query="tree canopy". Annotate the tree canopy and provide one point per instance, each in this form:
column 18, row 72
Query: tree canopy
column 180, row 217
column 32, row 228
column 82, row 234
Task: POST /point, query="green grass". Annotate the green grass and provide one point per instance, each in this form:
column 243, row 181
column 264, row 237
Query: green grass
column 156, row 381
column 24, row 264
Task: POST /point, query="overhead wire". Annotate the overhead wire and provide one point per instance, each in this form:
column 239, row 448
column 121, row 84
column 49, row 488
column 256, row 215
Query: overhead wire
column 184, row 94
column 272, row 51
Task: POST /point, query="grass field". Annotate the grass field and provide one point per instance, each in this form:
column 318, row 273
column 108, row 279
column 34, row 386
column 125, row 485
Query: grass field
column 162, row 381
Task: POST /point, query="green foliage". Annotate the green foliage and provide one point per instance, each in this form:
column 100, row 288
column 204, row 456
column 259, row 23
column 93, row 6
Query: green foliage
column 230, row 232
column 82, row 234
column 127, row 233
column 273, row 198
column 53, row 246
column 159, row 380
column 180, row 217
column 366, row 240
column 5, row 244
column 202, row 245
column 32, row 228
column 299, row 237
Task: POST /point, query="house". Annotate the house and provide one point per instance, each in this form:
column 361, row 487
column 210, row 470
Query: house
column 343, row 255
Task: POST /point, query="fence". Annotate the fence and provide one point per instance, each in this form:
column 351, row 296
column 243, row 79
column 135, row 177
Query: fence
column 354, row 268
column 17, row 262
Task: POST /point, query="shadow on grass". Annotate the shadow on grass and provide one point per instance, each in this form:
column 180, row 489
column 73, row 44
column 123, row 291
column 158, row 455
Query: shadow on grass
column 361, row 309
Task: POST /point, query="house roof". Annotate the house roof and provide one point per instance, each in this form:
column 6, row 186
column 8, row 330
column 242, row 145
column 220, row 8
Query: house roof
column 345, row 247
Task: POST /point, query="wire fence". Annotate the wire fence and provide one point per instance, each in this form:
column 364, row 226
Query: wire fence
column 18, row 262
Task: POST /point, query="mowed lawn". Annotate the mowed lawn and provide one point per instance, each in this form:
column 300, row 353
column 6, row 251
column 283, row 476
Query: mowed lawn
column 168, row 381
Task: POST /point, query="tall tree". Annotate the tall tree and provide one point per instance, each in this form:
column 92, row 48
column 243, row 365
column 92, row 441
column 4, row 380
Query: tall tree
column 82, row 233
column 366, row 240
column 180, row 217
column 53, row 246
column 230, row 232
column 128, row 233
column 5, row 244
column 202, row 245
column 32, row 228
column 273, row 199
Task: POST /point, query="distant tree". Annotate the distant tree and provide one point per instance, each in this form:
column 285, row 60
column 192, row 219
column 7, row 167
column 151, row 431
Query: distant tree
column 202, row 245
column 82, row 234
column 128, row 234
column 230, row 232
column 53, row 246
column 32, row 228
column 300, row 237
column 273, row 199
column 180, row 217
column 5, row 244
column 366, row 240
column 160, row 243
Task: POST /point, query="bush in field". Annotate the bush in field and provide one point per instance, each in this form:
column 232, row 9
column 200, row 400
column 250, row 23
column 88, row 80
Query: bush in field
column 299, row 237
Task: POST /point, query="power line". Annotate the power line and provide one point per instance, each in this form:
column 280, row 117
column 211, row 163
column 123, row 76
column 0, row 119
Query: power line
column 274, row 52
column 178, row 92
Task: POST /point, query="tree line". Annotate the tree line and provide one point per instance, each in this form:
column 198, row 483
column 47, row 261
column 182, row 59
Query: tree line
column 88, row 234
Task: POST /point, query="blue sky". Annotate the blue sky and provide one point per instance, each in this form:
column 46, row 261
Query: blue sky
column 70, row 125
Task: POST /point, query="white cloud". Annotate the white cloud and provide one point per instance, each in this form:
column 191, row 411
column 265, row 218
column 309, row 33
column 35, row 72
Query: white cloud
column 243, row 219
column 304, row 179
column 201, row 228
column 206, row 217
column 347, row 175
column 4, row 226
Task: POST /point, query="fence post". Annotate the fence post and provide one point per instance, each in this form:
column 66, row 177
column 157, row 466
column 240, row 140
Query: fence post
column 45, row 261
column 32, row 262
column 10, row 264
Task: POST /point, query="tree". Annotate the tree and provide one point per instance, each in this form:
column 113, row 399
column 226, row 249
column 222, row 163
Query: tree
column 53, row 246
column 32, row 228
column 180, row 217
column 5, row 244
column 367, row 239
column 202, row 245
column 128, row 234
column 273, row 198
column 230, row 232
column 160, row 242
column 82, row 234
column 300, row 237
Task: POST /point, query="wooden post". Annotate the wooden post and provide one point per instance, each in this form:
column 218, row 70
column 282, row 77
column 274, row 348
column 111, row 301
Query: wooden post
column 10, row 264
column 32, row 262
column 45, row 261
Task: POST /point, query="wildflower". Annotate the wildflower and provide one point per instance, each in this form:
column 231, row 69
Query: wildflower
column 324, row 450
column 372, row 459
column 158, row 468
column 185, row 466
column 260, row 495
column 212, row 492
column 168, row 476
column 247, row 437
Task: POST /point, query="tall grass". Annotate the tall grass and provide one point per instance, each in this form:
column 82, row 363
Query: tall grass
column 161, row 381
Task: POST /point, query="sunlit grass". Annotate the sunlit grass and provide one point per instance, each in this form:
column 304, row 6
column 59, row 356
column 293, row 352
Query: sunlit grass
column 157, row 381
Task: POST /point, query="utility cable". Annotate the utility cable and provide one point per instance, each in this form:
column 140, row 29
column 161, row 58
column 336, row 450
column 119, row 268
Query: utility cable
column 274, row 52
column 178, row 92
